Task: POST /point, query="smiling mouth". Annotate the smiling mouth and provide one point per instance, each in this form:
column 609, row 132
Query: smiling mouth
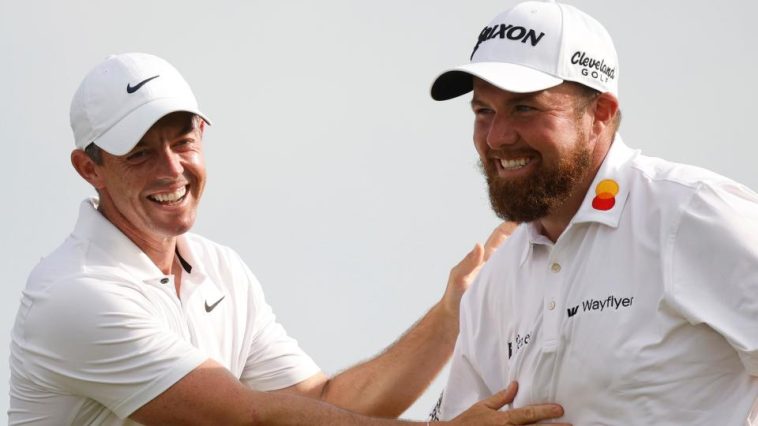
column 514, row 164
column 169, row 198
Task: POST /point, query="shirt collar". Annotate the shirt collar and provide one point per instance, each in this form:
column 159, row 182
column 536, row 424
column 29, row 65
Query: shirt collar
column 93, row 227
column 606, row 198
column 609, row 192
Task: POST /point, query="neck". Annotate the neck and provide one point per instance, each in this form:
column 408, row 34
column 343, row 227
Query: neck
column 553, row 225
column 160, row 249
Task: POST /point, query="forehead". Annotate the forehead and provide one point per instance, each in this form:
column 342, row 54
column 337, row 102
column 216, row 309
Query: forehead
column 169, row 126
column 176, row 120
column 486, row 92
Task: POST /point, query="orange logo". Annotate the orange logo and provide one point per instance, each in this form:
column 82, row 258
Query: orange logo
column 605, row 192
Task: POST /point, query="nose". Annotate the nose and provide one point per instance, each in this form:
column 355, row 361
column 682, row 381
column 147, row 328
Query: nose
column 169, row 163
column 501, row 132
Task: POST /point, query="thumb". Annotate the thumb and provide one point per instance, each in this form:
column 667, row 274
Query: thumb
column 473, row 259
column 501, row 398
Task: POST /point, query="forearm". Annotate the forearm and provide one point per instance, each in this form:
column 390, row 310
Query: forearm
column 389, row 383
column 288, row 409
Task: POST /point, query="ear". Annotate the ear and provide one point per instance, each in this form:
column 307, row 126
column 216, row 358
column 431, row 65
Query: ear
column 87, row 168
column 606, row 106
column 201, row 126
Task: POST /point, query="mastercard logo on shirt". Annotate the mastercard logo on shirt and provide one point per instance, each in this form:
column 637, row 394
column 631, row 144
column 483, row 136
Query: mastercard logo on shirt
column 605, row 194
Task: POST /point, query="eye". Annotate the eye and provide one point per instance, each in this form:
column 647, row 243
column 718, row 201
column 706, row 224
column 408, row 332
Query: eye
column 523, row 108
column 482, row 111
column 137, row 155
column 185, row 143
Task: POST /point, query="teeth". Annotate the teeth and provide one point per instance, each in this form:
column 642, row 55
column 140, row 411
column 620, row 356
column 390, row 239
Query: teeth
column 514, row 164
column 170, row 196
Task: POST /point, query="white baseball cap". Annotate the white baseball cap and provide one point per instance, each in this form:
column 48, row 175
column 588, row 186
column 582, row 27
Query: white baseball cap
column 534, row 46
column 122, row 97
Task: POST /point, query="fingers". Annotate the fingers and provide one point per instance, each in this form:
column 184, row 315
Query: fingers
column 463, row 274
column 501, row 398
column 479, row 254
column 498, row 235
column 485, row 412
column 471, row 261
column 534, row 413
column 460, row 278
column 530, row 414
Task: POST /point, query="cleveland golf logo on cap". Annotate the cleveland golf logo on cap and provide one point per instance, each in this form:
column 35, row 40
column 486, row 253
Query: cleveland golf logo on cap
column 591, row 67
column 510, row 32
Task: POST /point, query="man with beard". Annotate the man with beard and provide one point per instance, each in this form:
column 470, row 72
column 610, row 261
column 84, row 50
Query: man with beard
column 629, row 293
column 133, row 319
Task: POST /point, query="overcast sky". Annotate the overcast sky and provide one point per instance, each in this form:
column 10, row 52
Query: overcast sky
column 348, row 191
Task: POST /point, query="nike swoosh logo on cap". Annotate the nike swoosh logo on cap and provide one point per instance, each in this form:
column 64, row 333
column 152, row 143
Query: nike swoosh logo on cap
column 210, row 308
column 132, row 89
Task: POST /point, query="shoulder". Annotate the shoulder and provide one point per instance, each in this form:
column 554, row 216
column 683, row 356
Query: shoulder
column 80, row 302
column 677, row 177
column 671, row 191
column 69, row 284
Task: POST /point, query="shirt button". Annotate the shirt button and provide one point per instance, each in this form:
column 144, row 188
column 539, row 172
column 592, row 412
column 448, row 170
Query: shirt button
column 551, row 305
column 555, row 267
column 164, row 280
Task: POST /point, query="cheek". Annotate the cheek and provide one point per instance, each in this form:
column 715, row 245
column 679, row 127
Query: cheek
column 480, row 137
column 195, row 164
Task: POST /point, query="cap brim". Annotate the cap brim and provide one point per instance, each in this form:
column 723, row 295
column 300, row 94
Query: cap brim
column 124, row 135
column 511, row 77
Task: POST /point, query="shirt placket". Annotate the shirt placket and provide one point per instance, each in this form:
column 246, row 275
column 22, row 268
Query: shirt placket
column 166, row 286
column 552, row 301
column 552, row 308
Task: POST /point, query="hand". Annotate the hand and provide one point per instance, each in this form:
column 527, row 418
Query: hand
column 485, row 412
column 463, row 274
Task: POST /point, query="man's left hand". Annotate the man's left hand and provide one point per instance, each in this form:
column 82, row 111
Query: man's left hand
column 463, row 274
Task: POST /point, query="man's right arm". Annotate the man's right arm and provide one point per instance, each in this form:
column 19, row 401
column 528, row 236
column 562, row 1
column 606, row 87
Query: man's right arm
column 211, row 395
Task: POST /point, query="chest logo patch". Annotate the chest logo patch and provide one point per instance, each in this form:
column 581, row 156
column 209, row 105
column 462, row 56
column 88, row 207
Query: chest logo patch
column 611, row 303
column 519, row 342
column 209, row 308
column 605, row 195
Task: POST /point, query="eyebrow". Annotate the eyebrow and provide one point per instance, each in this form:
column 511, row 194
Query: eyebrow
column 518, row 97
column 139, row 144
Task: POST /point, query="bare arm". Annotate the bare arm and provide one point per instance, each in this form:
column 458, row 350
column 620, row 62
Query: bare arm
column 390, row 382
column 211, row 395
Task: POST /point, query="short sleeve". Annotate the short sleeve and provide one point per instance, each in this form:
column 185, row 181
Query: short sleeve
column 275, row 359
column 712, row 266
column 103, row 341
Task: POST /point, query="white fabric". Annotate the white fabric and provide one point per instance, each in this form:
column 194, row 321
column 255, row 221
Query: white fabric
column 645, row 313
column 533, row 46
column 101, row 331
column 123, row 96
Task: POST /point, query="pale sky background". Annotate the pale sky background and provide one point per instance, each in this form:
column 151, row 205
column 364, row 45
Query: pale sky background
column 348, row 191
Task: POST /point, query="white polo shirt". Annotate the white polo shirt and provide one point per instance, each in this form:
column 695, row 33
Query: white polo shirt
column 645, row 311
column 100, row 330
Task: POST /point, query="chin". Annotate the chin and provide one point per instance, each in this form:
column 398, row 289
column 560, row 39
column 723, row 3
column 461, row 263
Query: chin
column 174, row 229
